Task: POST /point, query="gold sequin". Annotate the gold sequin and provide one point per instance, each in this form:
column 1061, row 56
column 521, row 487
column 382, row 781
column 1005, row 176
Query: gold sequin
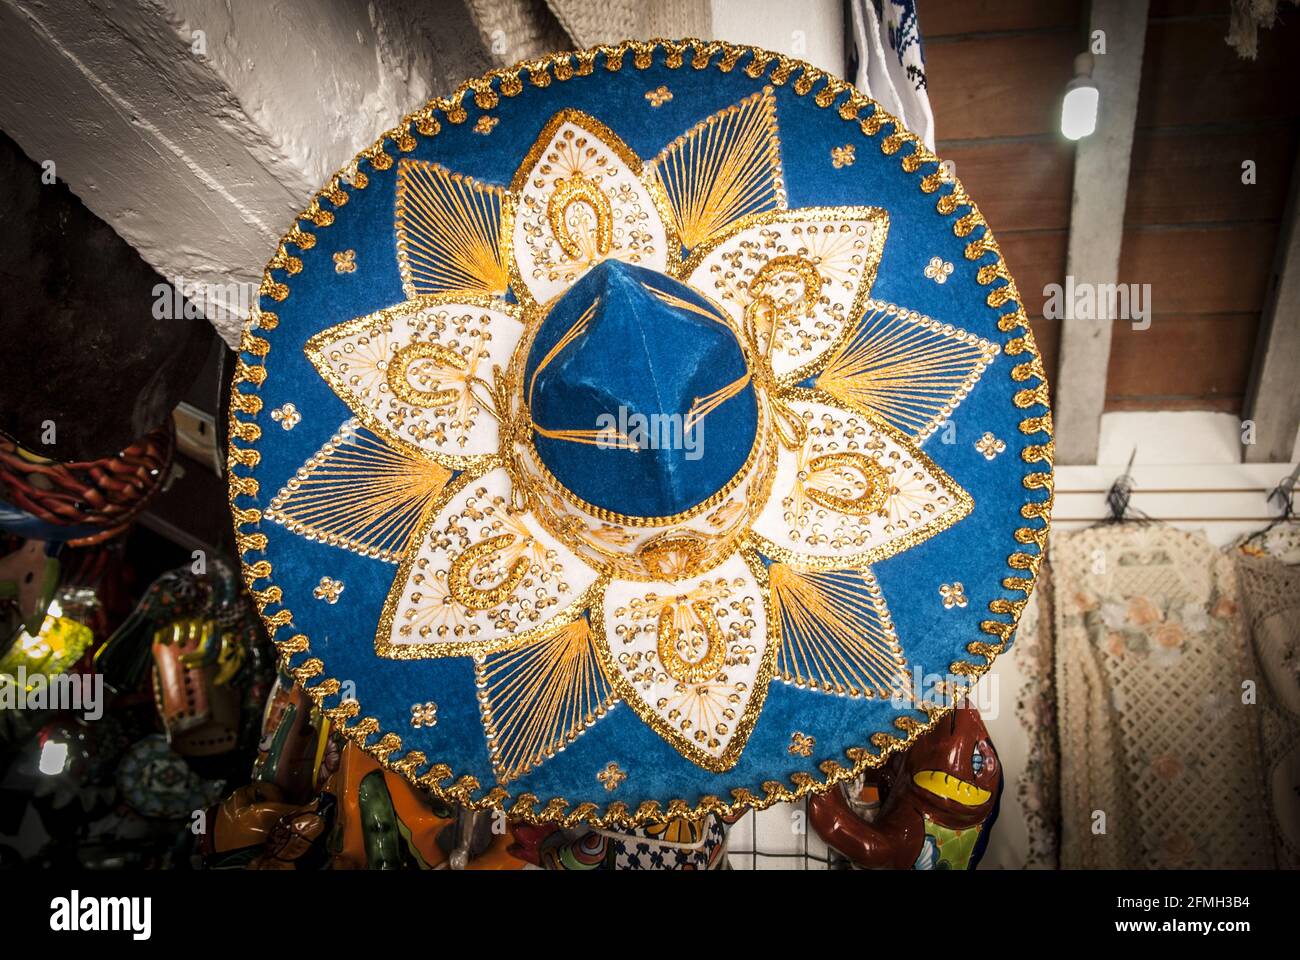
column 287, row 416
column 424, row 714
column 938, row 270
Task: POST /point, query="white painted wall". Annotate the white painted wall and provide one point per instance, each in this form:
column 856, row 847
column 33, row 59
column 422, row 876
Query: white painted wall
column 198, row 151
column 811, row 30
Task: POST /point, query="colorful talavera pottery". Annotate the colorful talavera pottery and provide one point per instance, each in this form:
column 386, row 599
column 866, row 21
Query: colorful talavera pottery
column 937, row 807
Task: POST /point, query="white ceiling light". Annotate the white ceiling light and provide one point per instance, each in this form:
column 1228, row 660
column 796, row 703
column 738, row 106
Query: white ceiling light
column 1079, row 108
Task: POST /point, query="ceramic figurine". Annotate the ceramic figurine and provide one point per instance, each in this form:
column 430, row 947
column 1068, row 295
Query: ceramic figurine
column 676, row 844
column 292, row 735
column 935, row 816
column 386, row 823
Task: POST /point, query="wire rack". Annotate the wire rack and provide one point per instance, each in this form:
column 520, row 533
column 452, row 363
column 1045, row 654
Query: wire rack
column 778, row 838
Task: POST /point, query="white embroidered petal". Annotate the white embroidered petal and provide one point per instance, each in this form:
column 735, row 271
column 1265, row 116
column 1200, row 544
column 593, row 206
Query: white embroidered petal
column 408, row 372
column 582, row 196
column 799, row 276
column 481, row 577
column 691, row 656
column 857, row 491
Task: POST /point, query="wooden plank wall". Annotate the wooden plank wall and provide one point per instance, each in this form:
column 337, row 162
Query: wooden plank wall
column 1201, row 238
column 996, row 73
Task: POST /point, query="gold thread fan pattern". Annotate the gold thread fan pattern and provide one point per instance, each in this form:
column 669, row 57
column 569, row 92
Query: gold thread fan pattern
column 537, row 699
column 910, row 369
column 449, row 232
column 360, row 494
column 836, row 633
column 724, row 168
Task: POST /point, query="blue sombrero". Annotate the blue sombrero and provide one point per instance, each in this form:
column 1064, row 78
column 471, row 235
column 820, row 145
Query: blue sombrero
column 644, row 431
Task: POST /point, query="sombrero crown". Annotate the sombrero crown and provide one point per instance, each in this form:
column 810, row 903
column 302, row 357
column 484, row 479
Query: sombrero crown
column 640, row 439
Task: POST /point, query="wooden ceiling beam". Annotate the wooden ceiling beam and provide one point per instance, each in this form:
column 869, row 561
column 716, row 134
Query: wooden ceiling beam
column 1273, row 391
column 1101, row 168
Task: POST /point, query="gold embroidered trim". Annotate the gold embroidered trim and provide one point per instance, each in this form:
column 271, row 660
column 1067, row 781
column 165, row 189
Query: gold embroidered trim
column 466, row 790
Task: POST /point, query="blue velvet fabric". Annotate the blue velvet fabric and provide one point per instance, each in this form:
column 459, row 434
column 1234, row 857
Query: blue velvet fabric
column 641, row 362
column 975, row 551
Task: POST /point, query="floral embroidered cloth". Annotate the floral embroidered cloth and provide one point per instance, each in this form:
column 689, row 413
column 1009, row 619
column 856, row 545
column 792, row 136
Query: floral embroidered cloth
column 891, row 60
column 647, row 431
column 1160, row 762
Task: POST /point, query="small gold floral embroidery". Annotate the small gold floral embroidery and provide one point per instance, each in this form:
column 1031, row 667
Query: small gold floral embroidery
column 938, row 270
column 328, row 590
column 345, row 261
column 801, row 745
column 990, row 446
column 954, row 595
column 424, row 714
column 659, row 97
column 287, row 416
column 485, row 124
column 843, row 156
column 611, row 776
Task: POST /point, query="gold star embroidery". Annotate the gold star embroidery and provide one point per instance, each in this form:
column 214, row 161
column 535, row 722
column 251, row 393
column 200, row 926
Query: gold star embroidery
column 328, row 590
column 801, row 745
column 843, row 156
column 345, row 261
column 954, row 595
column 659, row 97
column 990, row 446
column 938, row 270
column 611, row 776
column 485, row 124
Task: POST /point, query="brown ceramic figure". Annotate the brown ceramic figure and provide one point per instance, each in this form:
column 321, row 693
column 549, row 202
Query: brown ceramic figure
column 933, row 816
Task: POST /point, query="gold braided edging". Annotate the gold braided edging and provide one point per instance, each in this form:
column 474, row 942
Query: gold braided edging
column 761, row 65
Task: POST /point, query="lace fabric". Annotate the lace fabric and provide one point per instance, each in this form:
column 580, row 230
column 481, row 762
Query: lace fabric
column 1160, row 764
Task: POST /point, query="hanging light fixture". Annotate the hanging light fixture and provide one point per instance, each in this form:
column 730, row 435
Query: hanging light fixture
column 1079, row 108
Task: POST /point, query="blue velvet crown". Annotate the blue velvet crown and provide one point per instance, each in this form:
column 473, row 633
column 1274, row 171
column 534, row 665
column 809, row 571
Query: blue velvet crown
column 645, row 431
